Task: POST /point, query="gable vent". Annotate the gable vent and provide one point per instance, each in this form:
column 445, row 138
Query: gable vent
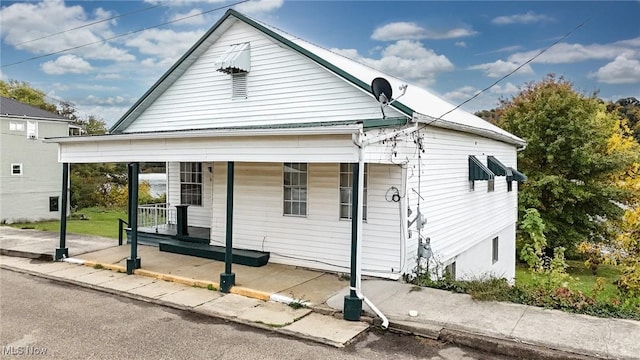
column 239, row 86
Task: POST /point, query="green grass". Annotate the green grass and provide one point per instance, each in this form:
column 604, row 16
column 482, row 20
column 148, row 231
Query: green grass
column 581, row 278
column 101, row 222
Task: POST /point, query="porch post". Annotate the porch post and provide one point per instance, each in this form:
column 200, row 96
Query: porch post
column 353, row 304
column 63, row 252
column 134, row 261
column 129, row 193
column 228, row 279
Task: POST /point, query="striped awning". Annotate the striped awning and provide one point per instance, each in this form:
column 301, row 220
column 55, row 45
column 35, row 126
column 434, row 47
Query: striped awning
column 477, row 170
column 518, row 176
column 236, row 59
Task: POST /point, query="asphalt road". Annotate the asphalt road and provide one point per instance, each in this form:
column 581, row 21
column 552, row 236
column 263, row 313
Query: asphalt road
column 42, row 318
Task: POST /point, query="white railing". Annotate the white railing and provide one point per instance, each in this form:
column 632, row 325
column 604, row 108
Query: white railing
column 156, row 216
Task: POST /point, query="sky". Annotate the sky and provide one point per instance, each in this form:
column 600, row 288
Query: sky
column 453, row 48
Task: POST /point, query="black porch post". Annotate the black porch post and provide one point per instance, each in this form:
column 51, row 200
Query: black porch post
column 228, row 279
column 63, row 252
column 134, row 261
column 353, row 304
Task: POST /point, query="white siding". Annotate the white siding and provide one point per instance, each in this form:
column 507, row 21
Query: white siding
column 196, row 215
column 457, row 218
column 321, row 240
column 283, row 87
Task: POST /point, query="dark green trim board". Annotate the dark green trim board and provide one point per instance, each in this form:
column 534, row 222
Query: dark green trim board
column 133, row 262
column 352, row 304
column 228, row 279
column 63, row 252
column 477, row 170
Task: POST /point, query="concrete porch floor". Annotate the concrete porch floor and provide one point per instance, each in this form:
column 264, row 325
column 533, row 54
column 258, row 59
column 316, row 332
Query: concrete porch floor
column 313, row 286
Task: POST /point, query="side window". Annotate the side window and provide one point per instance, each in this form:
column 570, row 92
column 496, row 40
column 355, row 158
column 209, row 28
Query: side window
column 191, row 183
column 346, row 182
column 295, row 189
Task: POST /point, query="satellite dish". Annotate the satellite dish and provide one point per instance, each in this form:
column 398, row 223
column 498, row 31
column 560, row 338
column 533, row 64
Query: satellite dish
column 381, row 89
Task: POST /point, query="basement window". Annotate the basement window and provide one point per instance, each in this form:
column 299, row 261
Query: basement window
column 494, row 250
column 450, row 271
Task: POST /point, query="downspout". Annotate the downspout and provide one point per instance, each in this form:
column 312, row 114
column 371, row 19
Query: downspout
column 358, row 289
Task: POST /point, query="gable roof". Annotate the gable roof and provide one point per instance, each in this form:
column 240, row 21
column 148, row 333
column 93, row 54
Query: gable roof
column 417, row 103
column 15, row 108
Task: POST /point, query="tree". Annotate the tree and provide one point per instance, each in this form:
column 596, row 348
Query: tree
column 23, row 92
column 567, row 159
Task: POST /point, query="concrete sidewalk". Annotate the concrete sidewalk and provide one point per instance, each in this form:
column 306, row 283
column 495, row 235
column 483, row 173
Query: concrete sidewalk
column 504, row 328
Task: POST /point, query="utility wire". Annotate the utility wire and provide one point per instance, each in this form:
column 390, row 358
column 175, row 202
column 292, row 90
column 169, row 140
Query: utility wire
column 516, row 69
column 89, row 24
column 122, row 35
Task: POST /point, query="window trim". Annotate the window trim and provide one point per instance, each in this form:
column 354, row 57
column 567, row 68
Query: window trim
column 200, row 184
column 20, row 169
column 299, row 186
column 365, row 191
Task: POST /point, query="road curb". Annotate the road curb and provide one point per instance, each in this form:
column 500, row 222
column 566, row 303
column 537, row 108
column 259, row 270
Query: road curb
column 493, row 345
column 26, row 254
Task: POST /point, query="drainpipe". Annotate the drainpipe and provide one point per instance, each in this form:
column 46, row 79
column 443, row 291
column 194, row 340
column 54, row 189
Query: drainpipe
column 358, row 287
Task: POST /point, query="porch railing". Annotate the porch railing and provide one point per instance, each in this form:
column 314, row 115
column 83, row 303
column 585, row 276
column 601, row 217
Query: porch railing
column 156, row 216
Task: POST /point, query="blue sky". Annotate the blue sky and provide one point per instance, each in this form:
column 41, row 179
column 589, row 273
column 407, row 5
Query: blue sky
column 452, row 48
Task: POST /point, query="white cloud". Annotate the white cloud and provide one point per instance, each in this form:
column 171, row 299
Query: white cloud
column 503, row 49
column 166, row 45
column 565, row 53
column 461, row 94
column 529, row 17
column 461, row 44
column 412, row 31
column 66, row 64
column 255, row 7
column 500, row 68
column 23, row 22
column 506, row 89
column 193, row 17
column 620, row 71
column 405, row 59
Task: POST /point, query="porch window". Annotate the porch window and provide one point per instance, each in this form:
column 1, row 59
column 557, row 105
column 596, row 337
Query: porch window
column 295, row 189
column 191, row 183
column 346, row 180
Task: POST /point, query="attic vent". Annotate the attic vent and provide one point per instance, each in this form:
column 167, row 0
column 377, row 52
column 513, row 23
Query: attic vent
column 236, row 59
column 239, row 86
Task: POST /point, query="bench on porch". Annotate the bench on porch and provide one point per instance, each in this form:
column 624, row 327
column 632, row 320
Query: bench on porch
column 242, row 257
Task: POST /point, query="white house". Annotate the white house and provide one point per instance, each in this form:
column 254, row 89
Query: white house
column 293, row 121
column 30, row 172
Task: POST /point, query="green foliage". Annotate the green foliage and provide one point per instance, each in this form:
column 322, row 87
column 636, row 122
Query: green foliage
column 532, row 232
column 567, row 160
column 23, row 92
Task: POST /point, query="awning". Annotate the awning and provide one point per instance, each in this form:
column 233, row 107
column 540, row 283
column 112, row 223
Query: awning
column 235, row 60
column 518, row 176
column 498, row 168
column 477, row 170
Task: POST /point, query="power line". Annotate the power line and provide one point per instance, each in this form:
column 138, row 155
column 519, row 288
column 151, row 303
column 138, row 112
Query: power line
column 89, row 24
column 514, row 70
column 122, row 35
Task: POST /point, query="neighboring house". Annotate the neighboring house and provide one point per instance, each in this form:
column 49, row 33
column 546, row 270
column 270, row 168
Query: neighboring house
column 293, row 118
column 29, row 173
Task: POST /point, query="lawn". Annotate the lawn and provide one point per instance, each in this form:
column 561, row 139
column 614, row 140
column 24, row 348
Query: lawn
column 100, row 222
column 581, row 278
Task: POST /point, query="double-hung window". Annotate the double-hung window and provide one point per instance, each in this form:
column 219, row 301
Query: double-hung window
column 346, row 182
column 295, row 189
column 191, row 183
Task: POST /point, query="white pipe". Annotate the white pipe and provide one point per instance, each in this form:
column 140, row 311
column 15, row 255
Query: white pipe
column 73, row 261
column 359, row 219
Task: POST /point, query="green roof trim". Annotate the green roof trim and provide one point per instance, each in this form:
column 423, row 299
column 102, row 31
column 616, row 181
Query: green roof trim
column 378, row 123
column 352, row 79
column 477, row 170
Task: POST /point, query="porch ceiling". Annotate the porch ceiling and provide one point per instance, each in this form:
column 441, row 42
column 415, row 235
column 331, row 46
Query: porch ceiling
column 331, row 144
